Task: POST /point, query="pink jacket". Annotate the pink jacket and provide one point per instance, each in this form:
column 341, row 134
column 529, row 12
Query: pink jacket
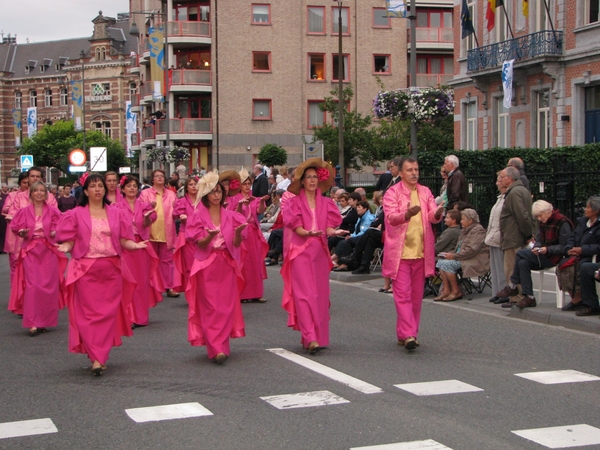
column 136, row 216
column 169, row 198
column 21, row 200
column 395, row 205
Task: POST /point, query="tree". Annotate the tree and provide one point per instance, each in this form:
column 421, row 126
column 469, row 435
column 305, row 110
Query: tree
column 272, row 155
column 51, row 146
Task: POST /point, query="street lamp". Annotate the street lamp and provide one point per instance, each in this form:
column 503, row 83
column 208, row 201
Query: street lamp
column 413, row 72
column 134, row 31
column 342, row 170
column 82, row 56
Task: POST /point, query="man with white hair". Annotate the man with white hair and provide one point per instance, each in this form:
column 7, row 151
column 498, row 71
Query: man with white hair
column 518, row 164
column 260, row 186
column 457, row 185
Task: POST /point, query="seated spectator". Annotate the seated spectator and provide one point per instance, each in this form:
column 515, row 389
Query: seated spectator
column 554, row 231
column 471, row 255
column 580, row 248
column 449, row 237
column 344, row 247
column 349, row 219
column 271, row 213
column 589, row 274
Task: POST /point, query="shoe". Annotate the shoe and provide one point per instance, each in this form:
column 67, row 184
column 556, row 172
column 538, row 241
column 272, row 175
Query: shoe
column 34, row 332
column 341, row 269
column 401, row 342
column 588, row 311
column 385, row 291
column 173, row 294
column 501, row 300
column 410, row 343
column 439, row 298
column 348, row 260
column 507, row 292
column 271, row 262
column 313, row 348
column 220, row 358
column 97, row 371
column 362, row 270
column 452, row 298
column 259, row 300
column 494, row 299
column 527, row 302
column 137, row 325
column 508, row 304
column 572, row 306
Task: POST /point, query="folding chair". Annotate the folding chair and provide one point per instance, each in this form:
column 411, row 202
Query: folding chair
column 377, row 259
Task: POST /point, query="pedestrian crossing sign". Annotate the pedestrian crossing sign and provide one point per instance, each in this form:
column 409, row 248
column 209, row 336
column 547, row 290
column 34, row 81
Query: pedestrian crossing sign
column 26, row 161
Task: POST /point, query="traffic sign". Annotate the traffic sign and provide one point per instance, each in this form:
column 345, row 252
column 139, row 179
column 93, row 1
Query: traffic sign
column 98, row 159
column 77, row 157
column 73, row 169
column 26, row 162
column 124, row 169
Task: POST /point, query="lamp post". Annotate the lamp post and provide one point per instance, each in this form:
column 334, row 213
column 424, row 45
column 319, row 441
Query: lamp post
column 342, row 170
column 413, row 72
column 82, row 56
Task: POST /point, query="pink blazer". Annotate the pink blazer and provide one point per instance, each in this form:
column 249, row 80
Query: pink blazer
column 395, row 205
column 169, row 198
column 136, row 216
column 25, row 218
column 184, row 205
column 21, row 200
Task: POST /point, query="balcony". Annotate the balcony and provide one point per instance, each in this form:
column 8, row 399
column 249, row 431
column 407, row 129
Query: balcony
column 135, row 103
column 193, row 128
column 148, row 135
column 188, row 79
column 189, row 29
column 432, row 79
column 135, row 139
column 438, row 35
column 134, row 66
column 524, row 48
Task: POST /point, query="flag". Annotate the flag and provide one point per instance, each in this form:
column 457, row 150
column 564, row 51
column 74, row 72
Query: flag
column 525, row 7
column 507, row 81
column 77, row 105
column 396, row 8
column 157, row 61
column 466, row 21
column 490, row 14
column 31, row 121
column 130, row 126
column 16, row 113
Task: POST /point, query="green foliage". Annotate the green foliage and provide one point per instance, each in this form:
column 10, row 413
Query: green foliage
column 272, row 155
column 51, row 146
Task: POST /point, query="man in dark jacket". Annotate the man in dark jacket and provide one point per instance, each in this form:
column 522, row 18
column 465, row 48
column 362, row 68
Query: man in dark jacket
column 260, row 186
column 457, row 185
column 516, row 222
column 518, row 164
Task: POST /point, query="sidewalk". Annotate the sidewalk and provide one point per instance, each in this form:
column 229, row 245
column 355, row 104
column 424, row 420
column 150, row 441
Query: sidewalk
column 545, row 312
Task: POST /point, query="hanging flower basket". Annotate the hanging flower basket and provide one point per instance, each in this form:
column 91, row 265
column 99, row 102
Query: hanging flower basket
column 420, row 104
column 166, row 155
column 157, row 154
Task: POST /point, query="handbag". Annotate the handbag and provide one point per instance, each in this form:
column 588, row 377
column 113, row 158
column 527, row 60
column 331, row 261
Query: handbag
column 565, row 264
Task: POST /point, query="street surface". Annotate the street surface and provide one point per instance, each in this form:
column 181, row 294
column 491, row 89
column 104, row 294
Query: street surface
column 363, row 392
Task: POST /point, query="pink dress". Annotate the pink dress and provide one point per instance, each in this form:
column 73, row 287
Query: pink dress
column 143, row 263
column 184, row 250
column 256, row 248
column 99, row 285
column 213, row 294
column 12, row 242
column 40, row 269
column 306, row 267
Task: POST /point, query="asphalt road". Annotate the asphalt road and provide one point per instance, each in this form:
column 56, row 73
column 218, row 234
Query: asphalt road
column 40, row 379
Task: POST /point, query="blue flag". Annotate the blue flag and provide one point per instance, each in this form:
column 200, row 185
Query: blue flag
column 466, row 21
column 396, row 8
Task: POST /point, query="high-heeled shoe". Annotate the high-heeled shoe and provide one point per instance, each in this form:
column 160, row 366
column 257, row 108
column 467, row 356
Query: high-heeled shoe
column 313, row 348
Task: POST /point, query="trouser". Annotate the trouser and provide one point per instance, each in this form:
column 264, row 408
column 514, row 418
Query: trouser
column 408, row 287
column 510, row 255
column 497, row 268
column 589, row 296
column 366, row 246
column 525, row 262
column 276, row 242
column 345, row 247
column 166, row 266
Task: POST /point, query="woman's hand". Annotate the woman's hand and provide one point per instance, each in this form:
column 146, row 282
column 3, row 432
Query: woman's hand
column 575, row 251
column 341, row 233
column 182, row 217
column 213, row 232
column 241, row 228
column 23, row 232
column 449, row 255
column 315, row 233
column 65, row 247
column 139, row 245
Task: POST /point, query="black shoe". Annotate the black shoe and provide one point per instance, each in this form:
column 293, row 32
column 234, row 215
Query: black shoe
column 572, row 306
column 362, row 270
column 347, row 260
column 501, row 300
column 494, row 299
column 588, row 311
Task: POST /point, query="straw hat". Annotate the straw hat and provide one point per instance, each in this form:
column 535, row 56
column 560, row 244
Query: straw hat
column 244, row 175
column 314, row 163
column 206, row 184
column 231, row 175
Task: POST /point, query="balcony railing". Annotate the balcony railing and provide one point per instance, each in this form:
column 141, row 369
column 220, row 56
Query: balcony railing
column 425, row 34
column 433, row 80
column 193, row 29
column 146, row 89
column 135, row 100
column 148, row 132
column 543, row 43
column 185, row 126
column 135, row 139
column 190, row 77
column 135, row 61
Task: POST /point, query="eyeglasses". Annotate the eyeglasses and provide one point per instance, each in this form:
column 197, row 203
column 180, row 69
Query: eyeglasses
column 311, row 177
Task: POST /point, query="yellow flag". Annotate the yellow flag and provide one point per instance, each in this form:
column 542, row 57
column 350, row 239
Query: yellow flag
column 526, row 8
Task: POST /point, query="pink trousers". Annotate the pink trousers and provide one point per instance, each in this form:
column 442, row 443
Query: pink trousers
column 408, row 287
column 166, row 266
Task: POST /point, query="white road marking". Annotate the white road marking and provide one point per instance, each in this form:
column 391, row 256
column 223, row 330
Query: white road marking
column 328, row 372
column 438, row 387
column 167, row 412
column 27, row 428
column 429, row 444
column 562, row 437
column 304, row 400
column 558, row 376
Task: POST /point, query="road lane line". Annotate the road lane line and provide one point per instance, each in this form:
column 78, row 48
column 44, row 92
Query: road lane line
column 562, row 437
column 304, row 400
column 27, row 428
column 328, row 372
column 429, row 444
column 558, row 376
column 167, row 412
column 438, row 387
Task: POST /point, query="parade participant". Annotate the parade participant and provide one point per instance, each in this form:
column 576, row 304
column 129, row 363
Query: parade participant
column 184, row 251
column 409, row 258
column 162, row 231
column 253, row 267
column 113, row 194
column 230, row 180
column 12, row 242
column 215, row 312
column 308, row 219
column 142, row 264
column 22, row 199
column 40, row 268
column 99, row 284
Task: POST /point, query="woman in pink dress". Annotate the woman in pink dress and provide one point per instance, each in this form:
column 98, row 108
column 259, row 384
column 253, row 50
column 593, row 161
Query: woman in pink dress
column 183, row 256
column 213, row 295
column 230, row 180
column 35, row 292
column 12, row 242
column 308, row 219
column 113, row 193
column 255, row 247
column 143, row 264
column 99, row 284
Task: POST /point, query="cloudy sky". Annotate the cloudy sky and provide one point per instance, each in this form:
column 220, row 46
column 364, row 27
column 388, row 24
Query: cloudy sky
column 51, row 20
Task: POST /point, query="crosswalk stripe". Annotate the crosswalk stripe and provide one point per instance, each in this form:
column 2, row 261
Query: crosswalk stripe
column 558, row 376
column 167, row 412
column 304, row 400
column 354, row 383
column 428, row 444
column 562, row 437
column 27, row 428
column 438, row 387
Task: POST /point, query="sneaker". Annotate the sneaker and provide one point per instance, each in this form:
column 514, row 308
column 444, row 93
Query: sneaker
column 507, row 292
column 527, row 302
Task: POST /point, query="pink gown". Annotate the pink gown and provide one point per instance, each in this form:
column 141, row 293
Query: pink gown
column 213, row 295
column 306, row 267
column 12, row 242
column 99, row 285
column 40, row 269
column 184, row 250
column 256, row 248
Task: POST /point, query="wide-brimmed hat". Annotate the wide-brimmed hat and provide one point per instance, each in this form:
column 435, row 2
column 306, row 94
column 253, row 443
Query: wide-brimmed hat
column 313, row 163
column 206, row 184
column 231, row 175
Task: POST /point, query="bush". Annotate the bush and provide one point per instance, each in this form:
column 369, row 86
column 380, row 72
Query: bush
column 272, row 155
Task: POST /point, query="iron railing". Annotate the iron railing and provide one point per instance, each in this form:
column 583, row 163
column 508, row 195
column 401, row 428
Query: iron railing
column 543, row 43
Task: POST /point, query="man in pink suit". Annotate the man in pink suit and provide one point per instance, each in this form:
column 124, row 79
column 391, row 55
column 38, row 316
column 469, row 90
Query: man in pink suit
column 409, row 255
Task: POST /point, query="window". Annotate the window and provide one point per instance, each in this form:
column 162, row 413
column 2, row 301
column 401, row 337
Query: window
column 316, row 117
column 100, row 89
column 102, row 126
column 470, row 111
column 261, row 61
column 502, row 124
column 380, row 18
column 543, row 119
column 345, row 20
column 100, row 53
column 316, row 20
column 261, row 109
column 191, row 11
column 541, row 15
column 48, row 97
column 345, row 68
column 316, row 67
column 433, row 70
column 18, row 100
column 32, row 99
column 434, row 19
column 132, row 90
column 592, row 11
column 261, row 14
column 502, row 30
column 469, row 42
column 63, row 97
column 381, row 64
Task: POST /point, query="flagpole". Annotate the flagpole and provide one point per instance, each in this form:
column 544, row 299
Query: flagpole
column 413, row 72
column 512, row 35
column 550, row 20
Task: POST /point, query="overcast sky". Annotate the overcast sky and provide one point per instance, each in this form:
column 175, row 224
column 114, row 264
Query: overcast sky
column 51, row 20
